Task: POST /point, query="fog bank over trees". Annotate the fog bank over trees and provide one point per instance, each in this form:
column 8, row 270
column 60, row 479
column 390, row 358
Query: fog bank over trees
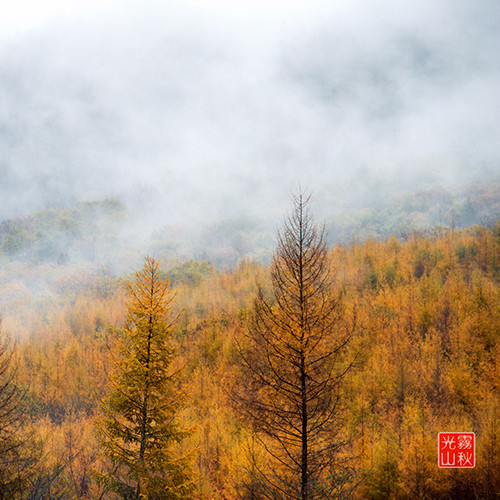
column 186, row 111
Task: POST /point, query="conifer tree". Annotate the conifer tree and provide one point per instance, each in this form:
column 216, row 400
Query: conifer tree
column 139, row 425
column 16, row 460
column 292, row 366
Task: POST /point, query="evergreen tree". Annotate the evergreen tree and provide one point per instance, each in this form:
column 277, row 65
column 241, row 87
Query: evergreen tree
column 139, row 426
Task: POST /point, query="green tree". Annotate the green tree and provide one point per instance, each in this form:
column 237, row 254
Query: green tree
column 139, row 427
column 293, row 367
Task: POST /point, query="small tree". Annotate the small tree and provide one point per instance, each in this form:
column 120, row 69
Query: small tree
column 139, row 425
column 292, row 366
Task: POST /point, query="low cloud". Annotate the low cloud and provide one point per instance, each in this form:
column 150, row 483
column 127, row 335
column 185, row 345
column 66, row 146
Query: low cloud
column 186, row 111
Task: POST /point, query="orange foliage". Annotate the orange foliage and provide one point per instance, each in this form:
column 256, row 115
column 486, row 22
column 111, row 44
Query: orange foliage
column 427, row 351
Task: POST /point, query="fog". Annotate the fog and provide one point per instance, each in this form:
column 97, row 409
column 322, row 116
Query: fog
column 193, row 110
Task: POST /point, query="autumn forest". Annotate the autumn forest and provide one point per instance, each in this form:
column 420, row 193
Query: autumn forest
column 249, row 250
column 326, row 372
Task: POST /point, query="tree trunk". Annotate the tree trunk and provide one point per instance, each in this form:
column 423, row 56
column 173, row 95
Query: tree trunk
column 145, row 406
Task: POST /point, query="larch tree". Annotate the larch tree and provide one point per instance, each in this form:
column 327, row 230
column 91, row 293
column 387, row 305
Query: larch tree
column 293, row 364
column 16, row 460
column 139, row 427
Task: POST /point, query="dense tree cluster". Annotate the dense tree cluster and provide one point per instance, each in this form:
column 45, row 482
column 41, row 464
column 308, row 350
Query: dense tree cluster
column 422, row 316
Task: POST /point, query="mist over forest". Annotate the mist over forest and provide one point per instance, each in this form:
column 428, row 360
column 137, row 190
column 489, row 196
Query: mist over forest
column 312, row 190
column 181, row 129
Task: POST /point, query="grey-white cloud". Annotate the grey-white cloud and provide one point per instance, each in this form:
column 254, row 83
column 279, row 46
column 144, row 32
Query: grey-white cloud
column 202, row 112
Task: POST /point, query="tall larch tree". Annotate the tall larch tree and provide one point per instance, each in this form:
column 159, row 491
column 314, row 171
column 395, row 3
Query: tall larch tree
column 139, row 427
column 293, row 364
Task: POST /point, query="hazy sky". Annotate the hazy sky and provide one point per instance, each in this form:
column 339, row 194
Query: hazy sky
column 214, row 108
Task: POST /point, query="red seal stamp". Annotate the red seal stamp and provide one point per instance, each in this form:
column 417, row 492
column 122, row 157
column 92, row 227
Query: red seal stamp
column 456, row 449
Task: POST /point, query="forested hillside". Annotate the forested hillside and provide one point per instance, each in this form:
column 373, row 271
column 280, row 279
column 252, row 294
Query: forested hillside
column 171, row 328
column 110, row 235
column 424, row 358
